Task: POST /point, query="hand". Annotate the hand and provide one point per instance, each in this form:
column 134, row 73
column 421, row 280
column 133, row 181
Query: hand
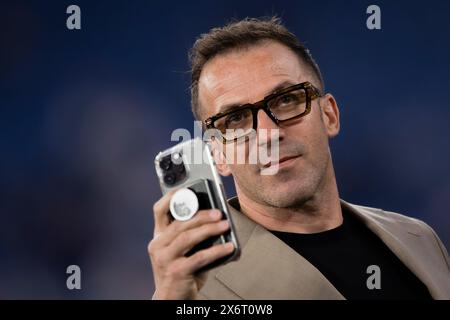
column 175, row 275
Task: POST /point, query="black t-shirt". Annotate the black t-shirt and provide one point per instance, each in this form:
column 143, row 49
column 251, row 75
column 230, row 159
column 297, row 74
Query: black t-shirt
column 343, row 256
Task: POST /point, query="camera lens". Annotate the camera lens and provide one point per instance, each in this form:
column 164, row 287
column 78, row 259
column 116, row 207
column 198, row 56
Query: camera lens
column 165, row 164
column 169, row 178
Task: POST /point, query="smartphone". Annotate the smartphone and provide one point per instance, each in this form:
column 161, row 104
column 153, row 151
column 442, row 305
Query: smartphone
column 190, row 165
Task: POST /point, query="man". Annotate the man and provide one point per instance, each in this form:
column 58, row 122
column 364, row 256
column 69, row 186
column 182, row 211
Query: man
column 299, row 239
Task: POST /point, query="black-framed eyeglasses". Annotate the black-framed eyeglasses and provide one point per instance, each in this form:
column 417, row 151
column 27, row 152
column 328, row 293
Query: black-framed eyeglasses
column 287, row 104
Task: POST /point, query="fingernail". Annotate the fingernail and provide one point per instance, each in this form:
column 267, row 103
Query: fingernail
column 223, row 224
column 215, row 214
column 229, row 245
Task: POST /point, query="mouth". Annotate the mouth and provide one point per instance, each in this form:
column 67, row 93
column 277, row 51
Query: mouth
column 282, row 162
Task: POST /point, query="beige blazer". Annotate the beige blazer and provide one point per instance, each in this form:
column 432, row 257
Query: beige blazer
column 269, row 269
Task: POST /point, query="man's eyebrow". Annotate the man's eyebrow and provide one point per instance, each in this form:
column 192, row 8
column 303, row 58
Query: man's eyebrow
column 281, row 86
column 278, row 87
column 229, row 107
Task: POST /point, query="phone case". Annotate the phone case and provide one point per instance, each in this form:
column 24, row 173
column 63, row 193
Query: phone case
column 190, row 165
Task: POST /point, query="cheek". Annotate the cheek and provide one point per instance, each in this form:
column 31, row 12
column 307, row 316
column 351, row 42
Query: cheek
column 243, row 153
column 243, row 173
column 318, row 147
column 314, row 139
column 236, row 154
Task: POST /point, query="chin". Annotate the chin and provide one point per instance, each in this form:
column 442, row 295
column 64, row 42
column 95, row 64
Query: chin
column 287, row 196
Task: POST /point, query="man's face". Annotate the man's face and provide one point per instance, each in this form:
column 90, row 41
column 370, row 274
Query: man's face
column 247, row 76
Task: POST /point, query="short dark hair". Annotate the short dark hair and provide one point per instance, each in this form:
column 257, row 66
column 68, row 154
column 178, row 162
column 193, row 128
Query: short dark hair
column 242, row 34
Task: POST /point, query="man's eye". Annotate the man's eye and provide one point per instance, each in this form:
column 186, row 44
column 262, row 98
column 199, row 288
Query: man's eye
column 287, row 99
column 234, row 118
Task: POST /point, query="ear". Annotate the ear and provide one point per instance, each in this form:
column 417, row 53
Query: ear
column 330, row 115
column 219, row 158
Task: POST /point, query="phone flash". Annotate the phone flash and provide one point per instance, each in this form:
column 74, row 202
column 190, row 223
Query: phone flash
column 184, row 204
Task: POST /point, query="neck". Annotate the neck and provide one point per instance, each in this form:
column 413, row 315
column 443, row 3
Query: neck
column 320, row 212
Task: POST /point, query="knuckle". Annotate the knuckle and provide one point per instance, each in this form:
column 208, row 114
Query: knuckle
column 157, row 206
column 213, row 228
column 154, row 252
column 201, row 257
column 206, row 215
column 198, row 219
column 176, row 226
column 159, row 259
column 151, row 247
column 215, row 249
column 184, row 237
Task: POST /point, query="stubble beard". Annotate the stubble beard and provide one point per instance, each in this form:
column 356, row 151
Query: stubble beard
column 296, row 197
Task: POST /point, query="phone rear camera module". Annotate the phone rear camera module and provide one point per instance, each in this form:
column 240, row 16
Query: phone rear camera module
column 173, row 169
column 165, row 163
column 179, row 168
column 170, row 178
column 177, row 158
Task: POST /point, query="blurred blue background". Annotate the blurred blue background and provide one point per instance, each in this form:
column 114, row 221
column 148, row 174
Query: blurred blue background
column 83, row 113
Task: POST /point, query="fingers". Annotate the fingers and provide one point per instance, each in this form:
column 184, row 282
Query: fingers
column 161, row 212
column 205, row 257
column 186, row 240
column 176, row 227
column 181, row 236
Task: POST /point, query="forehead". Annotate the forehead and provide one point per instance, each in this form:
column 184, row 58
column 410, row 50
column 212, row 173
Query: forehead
column 247, row 75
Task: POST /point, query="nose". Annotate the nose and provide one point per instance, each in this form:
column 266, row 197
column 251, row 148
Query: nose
column 265, row 122
column 270, row 129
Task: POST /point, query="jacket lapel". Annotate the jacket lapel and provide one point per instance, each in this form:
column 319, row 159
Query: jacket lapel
column 270, row 269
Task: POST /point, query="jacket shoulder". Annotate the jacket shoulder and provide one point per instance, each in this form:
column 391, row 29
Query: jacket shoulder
column 409, row 224
column 390, row 217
